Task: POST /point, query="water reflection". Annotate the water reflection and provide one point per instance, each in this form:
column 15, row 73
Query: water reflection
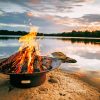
column 95, row 41
column 8, row 37
column 81, row 40
column 85, row 51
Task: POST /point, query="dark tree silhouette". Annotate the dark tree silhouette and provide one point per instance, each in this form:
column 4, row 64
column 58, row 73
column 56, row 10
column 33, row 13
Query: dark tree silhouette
column 95, row 34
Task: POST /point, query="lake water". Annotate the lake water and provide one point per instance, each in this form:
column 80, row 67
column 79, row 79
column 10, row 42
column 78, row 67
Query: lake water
column 85, row 51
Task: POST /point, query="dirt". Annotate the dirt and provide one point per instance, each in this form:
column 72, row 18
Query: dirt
column 58, row 86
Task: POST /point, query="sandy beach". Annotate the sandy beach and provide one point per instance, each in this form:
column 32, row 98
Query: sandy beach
column 58, row 86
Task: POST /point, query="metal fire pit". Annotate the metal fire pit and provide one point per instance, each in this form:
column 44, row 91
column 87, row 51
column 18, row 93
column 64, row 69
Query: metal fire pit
column 32, row 80
column 27, row 80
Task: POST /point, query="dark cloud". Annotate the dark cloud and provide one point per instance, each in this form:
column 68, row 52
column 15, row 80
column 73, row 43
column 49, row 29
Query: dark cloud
column 44, row 24
column 13, row 18
column 91, row 18
column 22, row 18
column 43, row 5
column 86, row 19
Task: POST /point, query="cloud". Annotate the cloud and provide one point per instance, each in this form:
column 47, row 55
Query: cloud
column 50, row 15
column 89, row 22
column 16, row 27
column 48, row 23
column 46, row 6
column 61, row 8
column 23, row 20
column 11, row 7
column 91, row 18
column 13, row 25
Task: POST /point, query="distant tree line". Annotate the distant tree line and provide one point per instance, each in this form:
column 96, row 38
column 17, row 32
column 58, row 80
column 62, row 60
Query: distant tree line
column 77, row 34
column 64, row 34
column 6, row 32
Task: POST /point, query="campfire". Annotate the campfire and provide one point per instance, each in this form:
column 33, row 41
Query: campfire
column 27, row 59
column 27, row 67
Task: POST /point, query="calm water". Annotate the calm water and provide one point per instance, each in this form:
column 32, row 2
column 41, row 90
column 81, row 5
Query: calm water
column 86, row 52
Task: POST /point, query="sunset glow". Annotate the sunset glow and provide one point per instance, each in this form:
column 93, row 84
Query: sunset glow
column 50, row 16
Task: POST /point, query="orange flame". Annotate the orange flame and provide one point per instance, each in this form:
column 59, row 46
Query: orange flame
column 31, row 49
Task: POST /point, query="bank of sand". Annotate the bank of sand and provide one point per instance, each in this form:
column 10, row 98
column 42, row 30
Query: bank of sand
column 58, row 86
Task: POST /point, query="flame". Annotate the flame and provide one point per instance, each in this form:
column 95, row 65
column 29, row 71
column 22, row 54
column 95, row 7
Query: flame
column 29, row 48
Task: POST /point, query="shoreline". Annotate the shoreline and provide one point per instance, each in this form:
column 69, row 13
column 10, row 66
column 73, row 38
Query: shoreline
column 59, row 85
column 69, row 37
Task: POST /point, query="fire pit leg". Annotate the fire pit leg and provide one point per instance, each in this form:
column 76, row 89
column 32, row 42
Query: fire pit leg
column 27, row 80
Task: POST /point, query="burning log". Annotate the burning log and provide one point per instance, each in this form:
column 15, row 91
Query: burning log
column 9, row 64
column 18, row 63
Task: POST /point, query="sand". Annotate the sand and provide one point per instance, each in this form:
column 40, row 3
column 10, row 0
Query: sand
column 58, row 86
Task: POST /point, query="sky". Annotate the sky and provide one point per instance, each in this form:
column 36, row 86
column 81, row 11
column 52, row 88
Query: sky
column 50, row 16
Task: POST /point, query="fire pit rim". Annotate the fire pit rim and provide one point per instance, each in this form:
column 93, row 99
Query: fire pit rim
column 35, row 73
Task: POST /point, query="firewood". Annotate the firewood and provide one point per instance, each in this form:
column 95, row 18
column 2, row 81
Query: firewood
column 11, row 62
column 20, row 62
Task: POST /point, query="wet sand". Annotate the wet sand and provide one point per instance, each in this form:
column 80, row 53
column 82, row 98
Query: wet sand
column 58, row 86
